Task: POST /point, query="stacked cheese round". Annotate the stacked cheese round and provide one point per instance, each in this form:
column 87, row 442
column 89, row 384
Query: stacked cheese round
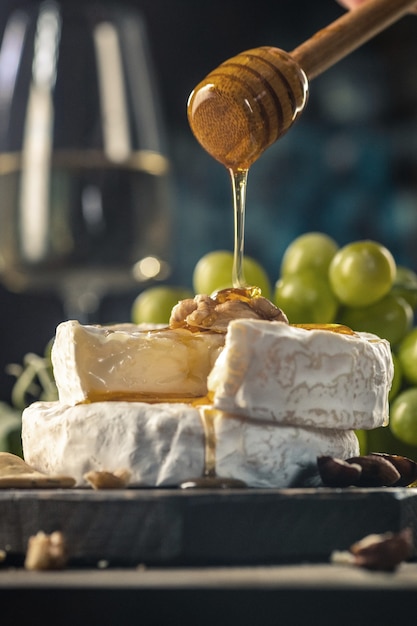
column 278, row 396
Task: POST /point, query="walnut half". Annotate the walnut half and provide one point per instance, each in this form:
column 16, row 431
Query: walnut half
column 215, row 312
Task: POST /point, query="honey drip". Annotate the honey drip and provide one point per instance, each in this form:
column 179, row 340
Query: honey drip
column 207, row 417
column 239, row 181
column 210, row 479
column 239, row 110
column 244, row 294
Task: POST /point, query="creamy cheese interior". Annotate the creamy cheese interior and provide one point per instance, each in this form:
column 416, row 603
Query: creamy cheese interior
column 128, row 362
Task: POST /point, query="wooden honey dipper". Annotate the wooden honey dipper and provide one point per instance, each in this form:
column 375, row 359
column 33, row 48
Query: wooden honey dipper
column 251, row 100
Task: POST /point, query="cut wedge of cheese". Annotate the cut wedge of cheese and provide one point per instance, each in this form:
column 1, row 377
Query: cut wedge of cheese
column 128, row 362
column 165, row 444
column 303, row 377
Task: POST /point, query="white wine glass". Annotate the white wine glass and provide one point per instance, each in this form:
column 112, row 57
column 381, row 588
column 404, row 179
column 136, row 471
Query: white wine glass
column 85, row 188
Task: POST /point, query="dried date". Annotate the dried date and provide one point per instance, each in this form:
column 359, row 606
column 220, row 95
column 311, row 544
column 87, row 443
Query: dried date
column 371, row 470
column 376, row 471
column 338, row 473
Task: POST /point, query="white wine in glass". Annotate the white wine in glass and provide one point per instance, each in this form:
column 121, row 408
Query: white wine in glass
column 85, row 188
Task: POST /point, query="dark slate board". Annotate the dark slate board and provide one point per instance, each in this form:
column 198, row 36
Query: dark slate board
column 203, row 527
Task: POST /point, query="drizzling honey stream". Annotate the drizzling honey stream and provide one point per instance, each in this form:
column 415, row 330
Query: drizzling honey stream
column 251, row 100
column 210, row 478
column 235, row 125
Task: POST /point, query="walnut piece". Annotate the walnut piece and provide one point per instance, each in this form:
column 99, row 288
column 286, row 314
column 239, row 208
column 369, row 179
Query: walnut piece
column 46, row 552
column 118, row 479
column 383, row 552
column 215, row 312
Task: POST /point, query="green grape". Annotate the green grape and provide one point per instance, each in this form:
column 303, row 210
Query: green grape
column 309, row 251
column 390, row 318
column 154, row 305
column 214, row 271
column 362, row 436
column 48, row 349
column 361, row 273
column 306, row 298
column 383, row 440
column 403, row 416
column 48, row 355
column 397, row 380
column 10, row 429
column 407, row 355
column 405, row 285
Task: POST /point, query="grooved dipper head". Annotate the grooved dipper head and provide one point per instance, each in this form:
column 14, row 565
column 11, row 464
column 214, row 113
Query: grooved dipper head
column 246, row 104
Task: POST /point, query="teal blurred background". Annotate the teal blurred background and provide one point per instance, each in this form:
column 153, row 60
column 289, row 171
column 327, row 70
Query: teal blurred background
column 347, row 168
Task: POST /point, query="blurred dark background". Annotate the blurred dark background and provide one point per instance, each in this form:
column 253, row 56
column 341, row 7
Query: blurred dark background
column 348, row 167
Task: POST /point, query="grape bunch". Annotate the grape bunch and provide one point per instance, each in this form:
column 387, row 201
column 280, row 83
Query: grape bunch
column 359, row 285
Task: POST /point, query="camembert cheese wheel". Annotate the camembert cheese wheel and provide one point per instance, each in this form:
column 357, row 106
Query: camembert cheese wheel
column 165, row 444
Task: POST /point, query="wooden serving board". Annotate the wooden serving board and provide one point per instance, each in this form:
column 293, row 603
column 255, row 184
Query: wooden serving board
column 203, row 527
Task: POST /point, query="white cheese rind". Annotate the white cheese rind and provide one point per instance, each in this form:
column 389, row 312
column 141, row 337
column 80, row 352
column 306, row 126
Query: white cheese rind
column 276, row 372
column 125, row 361
column 274, row 455
column 158, row 443
column 164, row 444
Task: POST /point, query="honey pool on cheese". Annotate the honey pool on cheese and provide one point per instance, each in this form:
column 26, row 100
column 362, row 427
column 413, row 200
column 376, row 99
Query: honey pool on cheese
column 276, row 372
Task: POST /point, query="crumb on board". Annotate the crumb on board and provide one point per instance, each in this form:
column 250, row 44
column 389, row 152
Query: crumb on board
column 119, row 479
column 46, row 552
column 382, row 552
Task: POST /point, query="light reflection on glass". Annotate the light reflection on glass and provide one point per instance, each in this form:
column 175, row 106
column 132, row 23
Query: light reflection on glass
column 113, row 98
column 37, row 137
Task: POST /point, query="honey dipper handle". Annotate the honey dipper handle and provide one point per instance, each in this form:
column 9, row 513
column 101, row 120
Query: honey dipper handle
column 347, row 33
